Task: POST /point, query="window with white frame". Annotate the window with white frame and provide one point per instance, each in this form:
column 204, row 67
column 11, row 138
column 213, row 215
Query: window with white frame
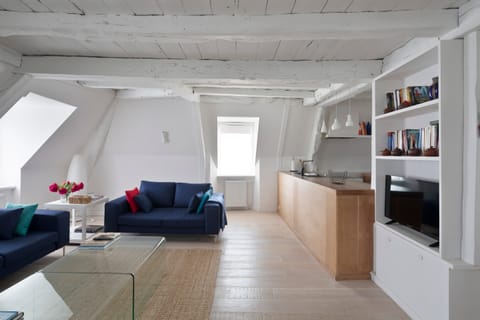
column 237, row 145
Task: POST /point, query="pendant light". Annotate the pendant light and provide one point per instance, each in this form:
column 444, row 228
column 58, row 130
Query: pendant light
column 336, row 125
column 324, row 127
column 349, row 122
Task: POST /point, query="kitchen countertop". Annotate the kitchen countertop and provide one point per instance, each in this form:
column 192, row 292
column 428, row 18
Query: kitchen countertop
column 355, row 185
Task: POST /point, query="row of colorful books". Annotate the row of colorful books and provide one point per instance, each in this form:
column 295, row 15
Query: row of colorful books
column 405, row 97
column 408, row 139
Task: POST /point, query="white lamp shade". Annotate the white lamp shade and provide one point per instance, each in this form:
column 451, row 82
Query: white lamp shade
column 335, row 125
column 349, row 122
column 324, row 127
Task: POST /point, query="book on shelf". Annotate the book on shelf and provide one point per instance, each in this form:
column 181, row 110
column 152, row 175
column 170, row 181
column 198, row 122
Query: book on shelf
column 11, row 315
column 420, row 94
column 100, row 240
column 403, row 98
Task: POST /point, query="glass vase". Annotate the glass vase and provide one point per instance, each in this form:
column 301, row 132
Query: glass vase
column 64, row 198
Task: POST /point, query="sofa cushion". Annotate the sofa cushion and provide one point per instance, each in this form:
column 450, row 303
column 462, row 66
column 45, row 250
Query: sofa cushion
column 143, row 202
column 25, row 218
column 141, row 219
column 163, row 217
column 130, row 195
column 19, row 249
column 162, row 194
column 185, row 191
column 8, row 221
column 182, row 219
column 1, row 261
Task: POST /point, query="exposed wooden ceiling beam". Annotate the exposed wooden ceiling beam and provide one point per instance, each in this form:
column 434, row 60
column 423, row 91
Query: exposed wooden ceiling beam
column 356, row 25
column 145, row 93
column 95, row 69
column 249, row 92
column 308, row 85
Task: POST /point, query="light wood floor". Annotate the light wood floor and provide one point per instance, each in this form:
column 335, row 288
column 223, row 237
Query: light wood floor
column 267, row 274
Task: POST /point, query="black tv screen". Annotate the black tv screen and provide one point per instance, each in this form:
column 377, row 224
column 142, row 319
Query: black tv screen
column 413, row 203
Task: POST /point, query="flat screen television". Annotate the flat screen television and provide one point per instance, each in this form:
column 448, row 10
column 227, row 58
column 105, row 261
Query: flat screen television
column 413, row 203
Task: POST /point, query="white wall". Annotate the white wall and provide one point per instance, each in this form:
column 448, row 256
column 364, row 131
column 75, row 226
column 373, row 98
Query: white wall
column 471, row 163
column 353, row 155
column 50, row 163
column 299, row 134
column 285, row 130
column 134, row 149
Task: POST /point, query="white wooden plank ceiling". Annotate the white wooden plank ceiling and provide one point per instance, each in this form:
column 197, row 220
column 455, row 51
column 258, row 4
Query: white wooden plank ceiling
column 227, row 30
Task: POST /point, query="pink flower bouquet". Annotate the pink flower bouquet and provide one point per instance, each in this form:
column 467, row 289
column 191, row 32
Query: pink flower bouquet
column 66, row 187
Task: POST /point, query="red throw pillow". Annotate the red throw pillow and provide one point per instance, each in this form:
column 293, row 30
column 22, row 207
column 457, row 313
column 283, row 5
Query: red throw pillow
column 130, row 198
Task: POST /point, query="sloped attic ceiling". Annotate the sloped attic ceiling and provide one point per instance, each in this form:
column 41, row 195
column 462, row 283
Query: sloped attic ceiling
column 287, row 48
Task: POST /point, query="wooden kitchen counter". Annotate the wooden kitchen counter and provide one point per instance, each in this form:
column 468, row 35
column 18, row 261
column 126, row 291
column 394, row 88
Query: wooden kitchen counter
column 335, row 222
column 351, row 185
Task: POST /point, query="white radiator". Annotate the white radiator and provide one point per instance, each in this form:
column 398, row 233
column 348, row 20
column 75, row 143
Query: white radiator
column 236, row 194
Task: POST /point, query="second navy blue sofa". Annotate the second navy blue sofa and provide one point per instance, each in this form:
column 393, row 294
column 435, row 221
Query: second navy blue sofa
column 48, row 231
column 170, row 214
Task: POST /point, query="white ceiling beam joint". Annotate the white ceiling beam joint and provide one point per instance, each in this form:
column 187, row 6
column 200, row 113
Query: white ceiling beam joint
column 468, row 22
column 348, row 25
column 321, row 93
column 10, row 56
column 344, row 93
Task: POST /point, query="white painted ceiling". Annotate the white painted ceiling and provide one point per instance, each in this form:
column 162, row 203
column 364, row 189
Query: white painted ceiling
column 128, row 30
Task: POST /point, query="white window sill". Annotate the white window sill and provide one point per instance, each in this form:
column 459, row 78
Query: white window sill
column 236, row 177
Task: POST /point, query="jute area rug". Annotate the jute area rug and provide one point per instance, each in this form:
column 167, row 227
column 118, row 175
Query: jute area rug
column 175, row 284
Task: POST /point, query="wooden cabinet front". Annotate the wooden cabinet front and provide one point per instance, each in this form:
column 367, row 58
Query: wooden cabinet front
column 336, row 226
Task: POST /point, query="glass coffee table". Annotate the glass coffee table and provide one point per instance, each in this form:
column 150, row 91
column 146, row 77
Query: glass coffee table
column 88, row 283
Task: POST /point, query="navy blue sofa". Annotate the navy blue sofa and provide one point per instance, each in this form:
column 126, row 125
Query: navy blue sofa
column 170, row 214
column 48, row 231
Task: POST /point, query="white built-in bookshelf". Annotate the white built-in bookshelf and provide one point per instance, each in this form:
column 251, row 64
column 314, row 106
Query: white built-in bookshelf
column 406, row 267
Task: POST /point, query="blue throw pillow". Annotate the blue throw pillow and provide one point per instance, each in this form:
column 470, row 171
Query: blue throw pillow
column 25, row 218
column 204, row 200
column 195, row 202
column 8, row 221
column 143, row 202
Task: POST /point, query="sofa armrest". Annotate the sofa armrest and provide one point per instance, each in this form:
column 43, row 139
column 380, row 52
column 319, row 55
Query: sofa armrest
column 113, row 209
column 53, row 220
column 215, row 216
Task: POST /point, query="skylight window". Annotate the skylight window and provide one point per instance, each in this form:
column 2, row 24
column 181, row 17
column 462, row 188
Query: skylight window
column 25, row 128
column 237, row 145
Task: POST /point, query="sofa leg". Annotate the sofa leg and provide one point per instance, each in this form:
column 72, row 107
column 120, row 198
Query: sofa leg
column 64, row 251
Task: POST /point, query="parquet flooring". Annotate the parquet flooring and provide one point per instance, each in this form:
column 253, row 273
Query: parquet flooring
column 266, row 273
